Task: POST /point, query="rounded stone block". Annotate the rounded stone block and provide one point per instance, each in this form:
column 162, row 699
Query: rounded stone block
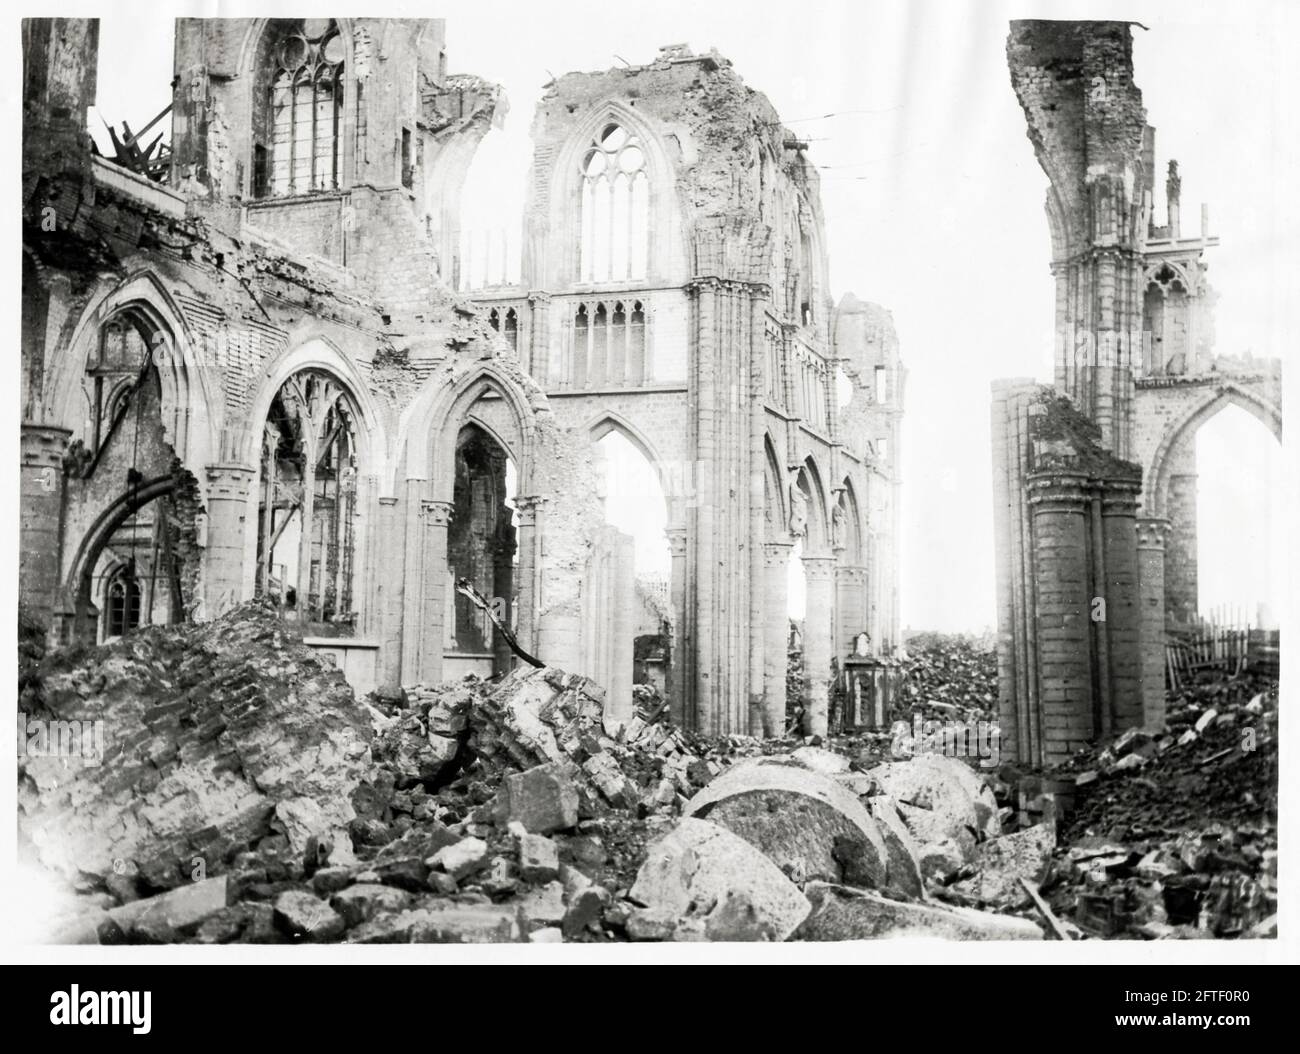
column 697, row 867
column 804, row 821
column 947, row 794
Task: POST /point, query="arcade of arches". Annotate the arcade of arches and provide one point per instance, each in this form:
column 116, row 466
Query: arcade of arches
column 248, row 377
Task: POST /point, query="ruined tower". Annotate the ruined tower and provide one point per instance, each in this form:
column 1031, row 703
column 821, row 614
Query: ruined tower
column 1094, row 474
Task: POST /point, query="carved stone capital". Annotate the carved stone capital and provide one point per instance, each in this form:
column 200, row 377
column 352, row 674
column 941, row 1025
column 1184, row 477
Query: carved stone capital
column 776, row 553
column 1119, row 497
column 1153, row 532
column 528, row 506
column 230, row 482
column 437, row 513
column 1057, row 492
column 676, row 541
column 819, row 568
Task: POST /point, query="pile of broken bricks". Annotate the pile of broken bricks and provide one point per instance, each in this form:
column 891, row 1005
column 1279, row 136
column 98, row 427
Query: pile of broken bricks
column 1171, row 834
column 484, row 812
column 512, row 811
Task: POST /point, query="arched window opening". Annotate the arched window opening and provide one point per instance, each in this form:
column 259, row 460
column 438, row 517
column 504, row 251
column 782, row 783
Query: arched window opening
column 114, row 369
column 609, row 345
column 303, row 70
column 635, row 504
column 580, row 350
column 615, row 208
column 122, row 602
column 145, row 570
column 507, row 324
column 635, row 501
column 307, row 513
column 481, row 547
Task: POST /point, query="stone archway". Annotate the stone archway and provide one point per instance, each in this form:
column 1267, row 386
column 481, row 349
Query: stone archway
column 165, row 540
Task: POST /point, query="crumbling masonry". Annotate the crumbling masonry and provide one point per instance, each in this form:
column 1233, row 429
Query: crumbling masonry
column 1094, row 478
column 252, row 378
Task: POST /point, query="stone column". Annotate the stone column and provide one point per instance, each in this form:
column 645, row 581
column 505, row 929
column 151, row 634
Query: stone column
column 40, row 514
column 1151, row 534
column 539, row 337
column 679, row 646
column 850, row 605
column 388, row 566
column 618, row 698
column 1181, row 585
column 1064, row 718
column 436, row 516
column 527, row 588
column 819, row 626
column 776, row 628
column 1118, row 512
column 229, row 486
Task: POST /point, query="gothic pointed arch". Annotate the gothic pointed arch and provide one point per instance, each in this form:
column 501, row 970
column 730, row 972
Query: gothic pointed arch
column 1158, row 473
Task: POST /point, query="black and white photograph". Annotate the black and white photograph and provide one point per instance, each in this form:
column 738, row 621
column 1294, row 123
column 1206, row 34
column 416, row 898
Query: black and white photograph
column 675, row 482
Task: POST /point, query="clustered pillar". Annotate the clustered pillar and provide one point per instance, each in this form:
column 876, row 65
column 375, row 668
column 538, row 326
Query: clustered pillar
column 776, row 630
column 1151, row 535
column 41, row 505
column 227, row 505
column 818, row 630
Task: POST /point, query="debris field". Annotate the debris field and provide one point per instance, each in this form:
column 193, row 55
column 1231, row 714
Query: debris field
column 245, row 795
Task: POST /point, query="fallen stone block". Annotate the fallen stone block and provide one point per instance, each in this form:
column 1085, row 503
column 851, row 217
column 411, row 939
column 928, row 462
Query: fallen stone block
column 902, row 854
column 651, row 924
column 308, row 825
column 358, row 904
column 539, row 859
column 305, row 916
column 940, row 860
column 955, row 794
column 543, row 907
column 449, row 924
column 180, row 910
column 331, row 879
column 543, row 799
column 693, row 867
column 1003, row 861
column 585, row 911
column 461, row 859
column 843, row 914
column 794, row 816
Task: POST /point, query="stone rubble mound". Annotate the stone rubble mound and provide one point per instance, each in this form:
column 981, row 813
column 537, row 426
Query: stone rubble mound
column 511, row 811
column 215, row 735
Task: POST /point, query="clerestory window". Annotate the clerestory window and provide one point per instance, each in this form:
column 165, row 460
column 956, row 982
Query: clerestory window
column 615, row 207
column 305, row 111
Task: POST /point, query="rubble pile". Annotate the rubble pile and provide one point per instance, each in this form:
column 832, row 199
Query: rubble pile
column 513, row 811
column 213, row 735
column 1174, row 835
column 949, row 676
column 544, row 716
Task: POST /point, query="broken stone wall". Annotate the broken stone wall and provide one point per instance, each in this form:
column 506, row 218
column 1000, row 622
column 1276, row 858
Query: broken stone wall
column 242, row 312
column 734, row 287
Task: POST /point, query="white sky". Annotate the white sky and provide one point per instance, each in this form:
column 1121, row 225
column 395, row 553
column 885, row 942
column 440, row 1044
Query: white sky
column 933, row 204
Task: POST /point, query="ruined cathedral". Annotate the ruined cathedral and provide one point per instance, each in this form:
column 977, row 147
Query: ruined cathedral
column 263, row 369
